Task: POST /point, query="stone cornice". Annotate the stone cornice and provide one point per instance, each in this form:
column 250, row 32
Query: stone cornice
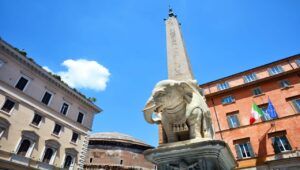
column 9, row 49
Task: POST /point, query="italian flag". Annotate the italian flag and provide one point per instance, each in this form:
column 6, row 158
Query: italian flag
column 256, row 113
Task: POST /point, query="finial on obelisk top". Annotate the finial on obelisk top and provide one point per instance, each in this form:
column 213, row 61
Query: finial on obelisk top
column 179, row 67
column 171, row 13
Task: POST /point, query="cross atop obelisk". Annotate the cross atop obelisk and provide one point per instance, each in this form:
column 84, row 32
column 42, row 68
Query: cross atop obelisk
column 179, row 67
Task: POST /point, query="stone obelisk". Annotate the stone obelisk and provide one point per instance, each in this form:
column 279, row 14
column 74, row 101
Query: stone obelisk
column 179, row 67
column 176, row 104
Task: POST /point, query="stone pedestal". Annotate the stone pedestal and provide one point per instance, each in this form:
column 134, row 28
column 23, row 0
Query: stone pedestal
column 192, row 154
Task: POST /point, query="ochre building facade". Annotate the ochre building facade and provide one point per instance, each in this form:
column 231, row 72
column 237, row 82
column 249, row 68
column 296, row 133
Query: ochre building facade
column 43, row 123
column 269, row 143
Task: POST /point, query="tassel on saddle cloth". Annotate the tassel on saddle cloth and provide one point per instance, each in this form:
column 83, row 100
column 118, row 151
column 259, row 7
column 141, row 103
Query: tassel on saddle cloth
column 179, row 127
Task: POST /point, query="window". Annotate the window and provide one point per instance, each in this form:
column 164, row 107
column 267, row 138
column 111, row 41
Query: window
column 297, row 62
column 68, row 161
column 80, row 117
column 1, row 63
column 46, row 98
column 228, row 99
column 64, row 108
column 4, row 126
column 36, row 119
column 296, row 103
column 121, row 162
column 21, row 83
column 74, row 137
column 48, row 155
column 27, row 143
column 223, row 86
column 265, row 116
column 284, row 83
column 24, row 147
column 2, row 130
column 233, row 120
column 281, row 144
column 244, row 150
column 91, row 160
column 250, row 77
column 56, row 129
column 275, row 70
column 8, row 106
column 256, row 91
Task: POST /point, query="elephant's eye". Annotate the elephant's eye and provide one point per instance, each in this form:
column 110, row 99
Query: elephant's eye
column 160, row 94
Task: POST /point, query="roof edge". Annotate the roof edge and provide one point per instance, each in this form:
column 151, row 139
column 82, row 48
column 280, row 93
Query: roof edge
column 254, row 68
column 62, row 85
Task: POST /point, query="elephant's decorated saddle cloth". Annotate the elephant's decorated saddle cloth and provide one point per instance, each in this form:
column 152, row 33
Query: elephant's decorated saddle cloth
column 179, row 127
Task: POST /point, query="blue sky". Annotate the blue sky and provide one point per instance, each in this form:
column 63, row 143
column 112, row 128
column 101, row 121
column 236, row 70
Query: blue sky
column 128, row 39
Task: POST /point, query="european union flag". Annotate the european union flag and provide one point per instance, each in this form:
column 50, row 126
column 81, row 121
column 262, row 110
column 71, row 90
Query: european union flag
column 271, row 110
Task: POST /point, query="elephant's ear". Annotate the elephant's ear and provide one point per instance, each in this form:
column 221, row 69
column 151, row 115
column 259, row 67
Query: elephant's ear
column 187, row 91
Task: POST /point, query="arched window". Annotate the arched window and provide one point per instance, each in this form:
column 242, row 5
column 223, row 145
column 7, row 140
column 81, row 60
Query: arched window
column 24, row 147
column 68, row 161
column 48, row 155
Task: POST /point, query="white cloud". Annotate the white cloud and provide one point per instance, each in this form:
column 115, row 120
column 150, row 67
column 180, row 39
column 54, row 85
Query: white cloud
column 47, row 69
column 85, row 74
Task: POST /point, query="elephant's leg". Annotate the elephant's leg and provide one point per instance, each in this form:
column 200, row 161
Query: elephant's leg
column 170, row 135
column 207, row 127
column 194, row 123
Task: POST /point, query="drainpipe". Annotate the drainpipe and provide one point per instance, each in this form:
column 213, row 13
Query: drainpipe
column 212, row 100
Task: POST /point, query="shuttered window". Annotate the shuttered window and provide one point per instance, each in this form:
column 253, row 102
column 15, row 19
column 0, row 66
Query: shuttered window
column 244, row 150
column 281, row 144
column 223, row 86
column 233, row 120
column 228, row 99
column 275, row 70
column 296, row 103
column 256, row 91
column 250, row 77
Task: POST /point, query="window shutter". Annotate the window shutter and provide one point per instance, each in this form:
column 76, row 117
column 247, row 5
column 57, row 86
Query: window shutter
column 255, row 77
column 218, row 87
column 296, row 106
column 270, row 72
column 227, row 84
column 280, row 69
column 232, row 99
column 238, row 151
column 276, row 148
column 288, row 143
column 245, row 79
column 229, row 122
column 237, row 120
column 250, row 149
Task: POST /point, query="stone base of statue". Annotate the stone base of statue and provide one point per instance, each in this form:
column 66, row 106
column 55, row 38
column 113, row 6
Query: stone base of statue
column 205, row 154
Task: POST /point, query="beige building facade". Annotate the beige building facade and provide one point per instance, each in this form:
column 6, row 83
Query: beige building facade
column 43, row 123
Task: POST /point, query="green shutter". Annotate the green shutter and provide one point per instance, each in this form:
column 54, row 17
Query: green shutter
column 238, row 151
column 270, row 72
column 275, row 146
column 297, row 107
column 287, row 141
column 250, row 149
column 281, row 69
column 237, row 120
column 245, row 79
column 229, row 122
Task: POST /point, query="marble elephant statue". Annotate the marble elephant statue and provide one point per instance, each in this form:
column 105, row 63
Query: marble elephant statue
column 180, row 109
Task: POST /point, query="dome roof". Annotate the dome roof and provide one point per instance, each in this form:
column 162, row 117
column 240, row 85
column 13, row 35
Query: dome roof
column 116, row 136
